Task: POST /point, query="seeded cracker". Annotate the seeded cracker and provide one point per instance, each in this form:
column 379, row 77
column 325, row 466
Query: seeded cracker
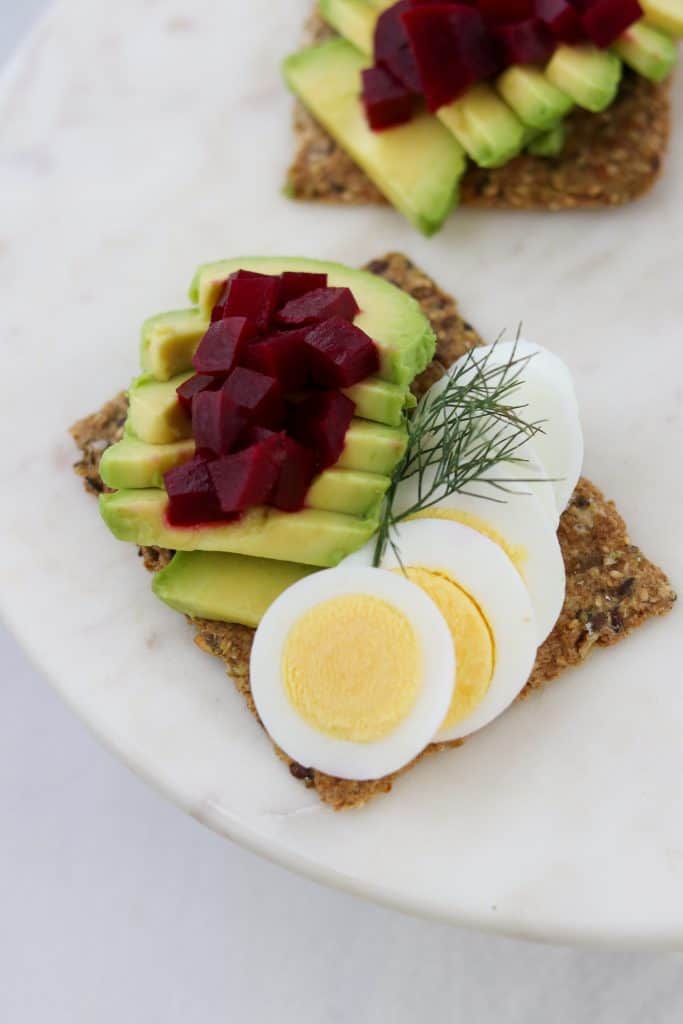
column 609, row 158
column 611, row 586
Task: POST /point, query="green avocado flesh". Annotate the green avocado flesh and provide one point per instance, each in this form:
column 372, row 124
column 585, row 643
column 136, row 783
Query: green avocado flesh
column 169, row 341
column 486, row 128
column 649, row 51
column 589, row 76
column 348, row 491
column 536, row 101
column 418, row 166
column 549, row 143
column 311, row 537
column 154, row 413
column 665, row 14
column 353, row 19
column 225, row 588
column 389, row 316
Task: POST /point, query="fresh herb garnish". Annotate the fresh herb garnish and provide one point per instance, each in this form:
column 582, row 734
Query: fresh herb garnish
column 467, row 424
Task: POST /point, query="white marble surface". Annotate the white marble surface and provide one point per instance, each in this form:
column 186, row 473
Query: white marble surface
column 95, row 233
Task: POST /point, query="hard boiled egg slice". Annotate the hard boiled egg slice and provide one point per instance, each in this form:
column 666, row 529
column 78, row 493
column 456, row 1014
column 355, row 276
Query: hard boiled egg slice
column 546, row 393
column 513, row 519
column 352, row 671
column 487, row 608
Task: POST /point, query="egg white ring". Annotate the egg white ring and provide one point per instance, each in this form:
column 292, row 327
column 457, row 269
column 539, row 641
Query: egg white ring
column 341, row 758
column 483, row 571
column 530, row 477
column 547, row 390
column 520, row 520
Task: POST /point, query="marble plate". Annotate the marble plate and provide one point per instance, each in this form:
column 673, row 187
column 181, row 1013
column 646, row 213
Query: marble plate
column 137, row 140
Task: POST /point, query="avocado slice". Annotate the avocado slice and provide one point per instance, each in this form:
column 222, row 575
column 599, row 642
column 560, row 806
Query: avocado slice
column 487, row 129
column 589, row 76
column 549, row 143
column 311, row 537
column 648, row 50
column 348, row 491
column 225, row 588
column 536, row 101
column 169, row 341
column 392, row 318
column 666, row 14
column 353, row 19
column 154, row 412
column 418, row 166
column 380, row 401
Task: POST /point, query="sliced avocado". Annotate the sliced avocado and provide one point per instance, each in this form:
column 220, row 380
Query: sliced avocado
column 169, row 341
column 310, row 537
column 589, row 76
column 348, row 491
column 418, row 166
column 536, row 101
column 487, row 129
column 380, row 401
column 666, row 14
column 549, row 143
column 391, row 317
column 154, row 412
column 132, row 463
column 353, row 19
column 649, row 51
column 372, row 447
column 225, row 588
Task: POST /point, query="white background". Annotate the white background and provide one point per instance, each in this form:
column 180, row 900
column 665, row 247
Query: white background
column 114, row 907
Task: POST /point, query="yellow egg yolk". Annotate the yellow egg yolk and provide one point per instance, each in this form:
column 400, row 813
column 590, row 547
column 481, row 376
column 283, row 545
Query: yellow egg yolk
column 472, row 637
column 352, row 667
column 516, row 553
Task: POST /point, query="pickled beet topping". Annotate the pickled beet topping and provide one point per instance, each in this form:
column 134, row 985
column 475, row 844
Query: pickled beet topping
column 264, row 403
column 435, row 51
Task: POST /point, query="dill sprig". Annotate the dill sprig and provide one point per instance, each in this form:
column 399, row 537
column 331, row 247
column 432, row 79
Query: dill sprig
column 467, row 424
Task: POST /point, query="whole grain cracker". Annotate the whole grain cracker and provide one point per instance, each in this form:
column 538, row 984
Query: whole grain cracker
column 609, row 158
column 611, row 587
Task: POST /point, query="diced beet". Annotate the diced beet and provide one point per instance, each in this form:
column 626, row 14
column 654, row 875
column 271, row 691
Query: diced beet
column 320, row 423
column 217, row 422
column 453, row 49
column 562, row 18
column 392, row 48
column 526, row 42
column 606, row 20
column 222, row 346
column 218, row 312
column 294, row 284
column 254, row 296
column 317, row 306
column 282, row 356
column 296, row 469
column 340, row 354
column 245, row 479
column 387, row 102
column 258, row 396
column 191, row 495
column 193, row 386
column 506, row 10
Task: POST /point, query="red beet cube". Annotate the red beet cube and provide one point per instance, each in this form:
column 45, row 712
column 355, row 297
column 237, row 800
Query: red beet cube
column 258, row 396
column 294, row 284
column 320, row 423
column 606, row 20
column 317, row 306
column 222, row 346
column 193, row 386
column 295, row 471
column 506, row 10
column 562, row 18
column 392, row 47
column 526, row 42
column 387, row 102
column 340, row 354
column 217, row 422
column 218, row 312
column 254, row 296
column 282, row 356
column 453, row 49
column 245, row 479
column 191, row 495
